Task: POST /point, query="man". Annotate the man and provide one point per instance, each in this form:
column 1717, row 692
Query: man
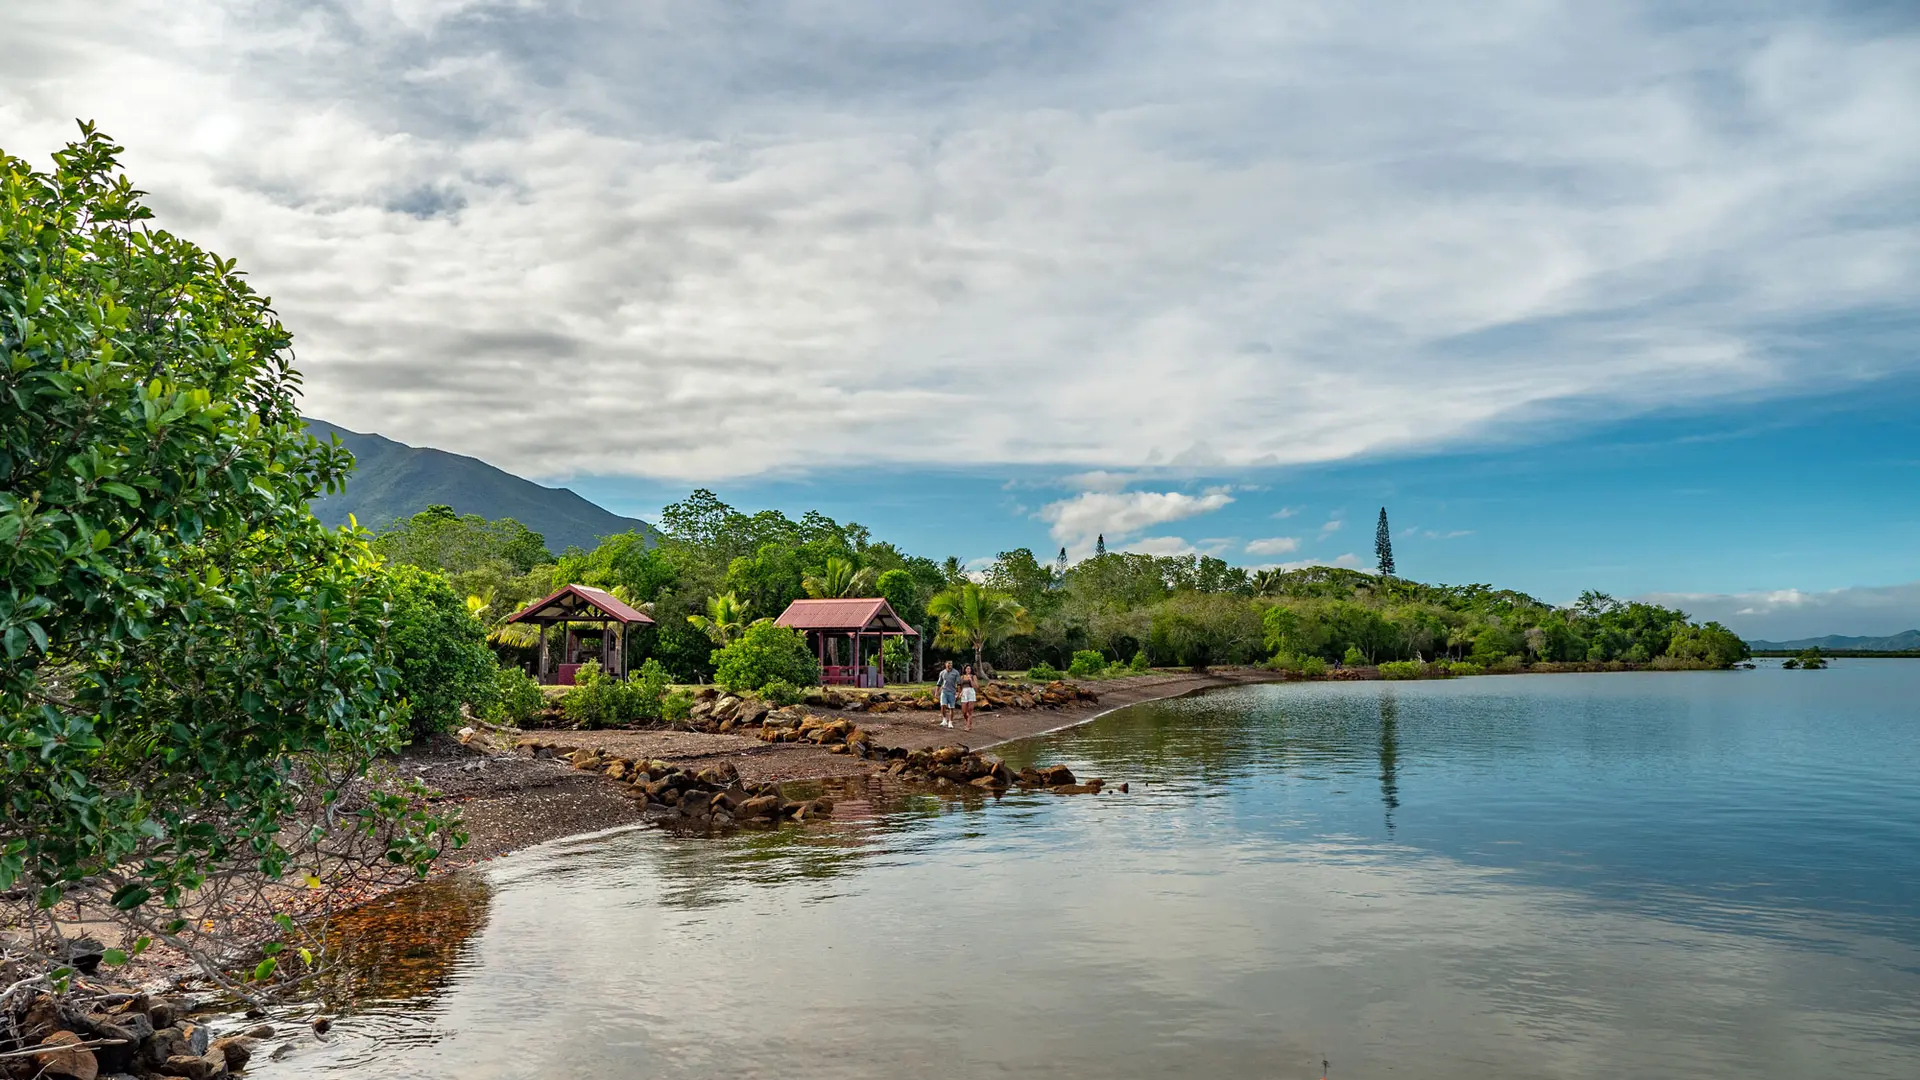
column 949, row 683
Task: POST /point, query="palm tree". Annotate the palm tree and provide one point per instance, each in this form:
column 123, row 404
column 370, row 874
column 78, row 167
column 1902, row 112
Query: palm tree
column 971, row 615
column 1266, row 582
column 726, row 617
column 839, row 579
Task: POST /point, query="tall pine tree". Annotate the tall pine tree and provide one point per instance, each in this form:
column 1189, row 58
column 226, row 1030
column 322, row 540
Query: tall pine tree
column 1383, row 545
column 1100, row 545
column 1060, row 567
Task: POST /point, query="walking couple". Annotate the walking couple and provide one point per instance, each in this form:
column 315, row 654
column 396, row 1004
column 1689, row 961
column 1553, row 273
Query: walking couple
column 956, row 684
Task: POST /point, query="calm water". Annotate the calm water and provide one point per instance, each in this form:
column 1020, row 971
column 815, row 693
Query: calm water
column 1683, row 875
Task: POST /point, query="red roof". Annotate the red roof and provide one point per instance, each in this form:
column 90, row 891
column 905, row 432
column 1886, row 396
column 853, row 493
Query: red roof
column 845, row 616
column 580, row 602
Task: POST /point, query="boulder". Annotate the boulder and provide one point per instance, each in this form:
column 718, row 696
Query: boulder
column 192, row 1066
column 236, row 1049
column 64, row 1056
column 1056, row 775
column 757, row 807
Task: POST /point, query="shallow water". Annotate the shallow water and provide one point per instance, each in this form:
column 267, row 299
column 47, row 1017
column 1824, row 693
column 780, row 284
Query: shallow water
column 1690, row 874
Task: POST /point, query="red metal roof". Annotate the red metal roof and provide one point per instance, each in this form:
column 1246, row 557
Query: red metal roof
column 570, row 601
column 845, row 616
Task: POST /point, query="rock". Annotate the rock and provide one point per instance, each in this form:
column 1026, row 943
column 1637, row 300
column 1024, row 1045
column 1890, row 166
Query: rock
column 236, row 1049
column 987, row 781
column 758, row 807
column 585, row 758
column 190, row 1066
column 1056, row 775
column 694, row 801
column 617, row 771
column 65, row 1057
column 1122, row 789
column 321, row 1024
column 752, row 712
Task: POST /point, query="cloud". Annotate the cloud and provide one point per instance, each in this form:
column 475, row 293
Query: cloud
column 700, row 241
column 1332, row 526
column 1454, row 534
column 1284, row 513
column 1787, row 614
column 1076, row 522
column 1273, row 545
column 1349, row 561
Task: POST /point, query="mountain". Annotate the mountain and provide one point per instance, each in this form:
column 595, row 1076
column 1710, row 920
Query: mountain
column 1903, row 641
column 394, row 480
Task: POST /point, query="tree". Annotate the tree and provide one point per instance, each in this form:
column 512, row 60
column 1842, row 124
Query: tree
column 1383, row 545
column 438, row 539
column 196, row 670
column 439, row 647
column 973, row 616
column 839, row 579
column 1100, row 545
column 1060, row 566
column 902, row 594
column 726, row 619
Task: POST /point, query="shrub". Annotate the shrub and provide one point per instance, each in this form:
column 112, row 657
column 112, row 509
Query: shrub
column 1041, row 671
column 763, row 653
column 1465, row 667
column 677, row 706
column 1506, row 665
column 782, row 692
column 1139, row 662
column 1354, row 657
column 597, row 701
column 1087, row 663
column 1403, row 669
column 1312, row 667
column 440, row 649
column 896, row 658
column 518, row 700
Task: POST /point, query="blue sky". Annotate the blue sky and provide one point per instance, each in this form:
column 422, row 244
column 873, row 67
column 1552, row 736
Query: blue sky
column 1597, row 294
column 1711, row 511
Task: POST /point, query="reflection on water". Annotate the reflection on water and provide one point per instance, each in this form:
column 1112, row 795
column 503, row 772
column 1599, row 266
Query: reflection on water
column 1672, row 875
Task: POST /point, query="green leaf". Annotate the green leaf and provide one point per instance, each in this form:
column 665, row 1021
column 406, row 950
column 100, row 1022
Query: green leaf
column 114, row 957
column 265, row 968
column 131, row 895
column 285, row 922
column 126, row 493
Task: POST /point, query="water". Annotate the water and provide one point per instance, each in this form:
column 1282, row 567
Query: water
column 1665, row 875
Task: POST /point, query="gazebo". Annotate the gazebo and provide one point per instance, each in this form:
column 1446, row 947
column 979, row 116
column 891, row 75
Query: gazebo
column 582, row 604
column 828, row 622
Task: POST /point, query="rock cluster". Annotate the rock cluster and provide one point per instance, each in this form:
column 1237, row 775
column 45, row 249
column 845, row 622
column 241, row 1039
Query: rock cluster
column 708, row 797
column 959, row 765
column 838, row 734
column 120, row 1035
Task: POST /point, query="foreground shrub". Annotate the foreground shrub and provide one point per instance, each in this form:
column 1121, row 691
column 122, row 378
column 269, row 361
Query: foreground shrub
column 518, row 700
column 196, row 677
column 763, row 653
column 1404, row 669
column 1087, row 663
column 1139, row 662
column 1465, row 667
column 1506, row 665
column 1042, row 671
column 1354, row 657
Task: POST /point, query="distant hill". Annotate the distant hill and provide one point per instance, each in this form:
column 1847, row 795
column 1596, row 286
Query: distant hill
column 394, row 480
column 1906, row 640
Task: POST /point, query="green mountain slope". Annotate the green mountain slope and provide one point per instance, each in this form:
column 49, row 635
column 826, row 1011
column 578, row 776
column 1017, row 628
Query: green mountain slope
column 394, row 480
column 1904, row 641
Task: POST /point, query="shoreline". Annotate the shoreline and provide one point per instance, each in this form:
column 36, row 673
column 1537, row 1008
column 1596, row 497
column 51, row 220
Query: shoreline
column 509, row 801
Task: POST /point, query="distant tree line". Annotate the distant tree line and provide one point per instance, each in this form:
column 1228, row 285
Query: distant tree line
column 717, row 570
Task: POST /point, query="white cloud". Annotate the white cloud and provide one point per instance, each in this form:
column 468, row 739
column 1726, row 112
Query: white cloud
column 1332, row 526
column 1453, row 534
column 1076, row 522
column 1284, row 513
column 1787, row 614
column 1273, row 545
column 1350, row 561
column 698, row 241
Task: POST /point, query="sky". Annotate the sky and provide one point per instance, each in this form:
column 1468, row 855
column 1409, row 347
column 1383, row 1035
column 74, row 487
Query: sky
column 1614, row 296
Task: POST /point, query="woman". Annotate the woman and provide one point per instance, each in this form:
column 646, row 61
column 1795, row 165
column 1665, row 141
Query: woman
column 967, row 695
